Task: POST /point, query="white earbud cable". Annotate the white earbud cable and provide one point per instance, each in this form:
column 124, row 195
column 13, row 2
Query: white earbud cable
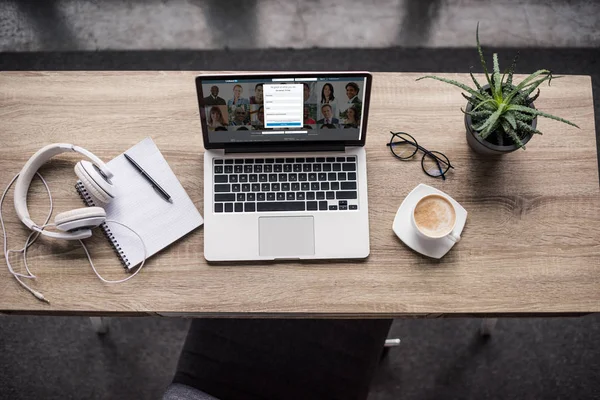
column 35, row 236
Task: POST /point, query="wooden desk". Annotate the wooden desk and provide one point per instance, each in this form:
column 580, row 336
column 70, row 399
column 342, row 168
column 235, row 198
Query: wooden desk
column 531, row 243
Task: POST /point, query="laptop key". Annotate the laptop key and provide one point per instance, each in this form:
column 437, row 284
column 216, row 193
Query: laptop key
column 351, row 176
column 323, row 205
column 222, row 188
column 349, row 167
column 263, row 178
column 302, row 177
column 240, row 197
column 249, row 207
column 261, row 196
column 335, row 186
column 311, row 206
column 218, row 161
column 332, row 176
column 238, row 169
column 271, row 196
column 282, row 177
column 289, row 160
column 346, row 195
column 341, row 176
column 228, row 207
column 225, row 197
column 317, row 167
column 218, row 169
column 293, row 177
column 326, row 167
column 287, row 168
column 279, row 160
column 238, row 161
column 275, row 187
column 220, row 178
column 285, row 187
column 333, row 207
column 229, row 161
column 249, row 161
column 281, row 206
column 330, row 159
column 330, row 195
column 253, row 178
column 228, row 169
column 272, row 177
column 305, row 186
column 353, row 207
column 322, row 176
column 320, row 195
column 269, row 161
column 298, row 168
column 235, row 187
column 277, row 168
column 300, row 196
column 290, row 196
column 312, row 177
column 233, row 178
column 251, row 196
column 320, row 159
column 299, row 160
column 310, row 160
column 307, row 168
column 314, row 186
column 310, row 196
column 248, row 169
column 239, row 207
column 280, row 196
column 295, row 187
column 218, row 207
column 258, row 169
column 324, row 185
column 268, row 168
column 337, row 167
column 343, row 208
column 243, row 178
column 256, row 187
column 348, row 185
column 265, row 187
column 260, row 161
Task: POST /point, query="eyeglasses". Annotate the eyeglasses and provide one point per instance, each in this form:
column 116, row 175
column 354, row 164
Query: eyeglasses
column 404, row 147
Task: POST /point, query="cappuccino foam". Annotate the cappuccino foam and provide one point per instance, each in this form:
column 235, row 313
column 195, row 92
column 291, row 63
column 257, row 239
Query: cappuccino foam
column 434, row 216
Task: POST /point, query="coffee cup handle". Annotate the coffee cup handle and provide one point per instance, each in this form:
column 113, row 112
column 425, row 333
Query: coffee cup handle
column 454, row 236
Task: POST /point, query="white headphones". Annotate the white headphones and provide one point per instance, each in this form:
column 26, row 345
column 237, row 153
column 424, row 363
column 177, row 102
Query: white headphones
column 78, row 223
column 75, row 224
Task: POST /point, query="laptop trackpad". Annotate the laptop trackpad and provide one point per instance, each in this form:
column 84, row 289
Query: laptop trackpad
column 286, row 237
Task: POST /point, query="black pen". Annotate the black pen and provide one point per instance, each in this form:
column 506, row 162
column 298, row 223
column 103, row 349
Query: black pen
column 162, row 191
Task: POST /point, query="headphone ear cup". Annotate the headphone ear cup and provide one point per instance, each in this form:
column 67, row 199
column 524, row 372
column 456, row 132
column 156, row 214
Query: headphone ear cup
column 94, row 182
column 80, row 218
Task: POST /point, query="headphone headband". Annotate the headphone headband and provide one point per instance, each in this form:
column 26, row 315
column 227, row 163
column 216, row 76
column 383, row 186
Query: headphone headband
column 29, row 170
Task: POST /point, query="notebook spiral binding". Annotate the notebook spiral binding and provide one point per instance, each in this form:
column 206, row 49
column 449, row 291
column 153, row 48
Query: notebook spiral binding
column 89, row 201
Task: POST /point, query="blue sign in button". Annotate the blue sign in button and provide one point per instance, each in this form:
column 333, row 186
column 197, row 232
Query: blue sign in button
column 274, row 124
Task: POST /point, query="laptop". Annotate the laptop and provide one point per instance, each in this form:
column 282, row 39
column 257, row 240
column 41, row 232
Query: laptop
column 285, row 173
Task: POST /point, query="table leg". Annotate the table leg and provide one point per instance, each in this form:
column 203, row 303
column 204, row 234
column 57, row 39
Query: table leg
column 487, row 326
column 100, row 325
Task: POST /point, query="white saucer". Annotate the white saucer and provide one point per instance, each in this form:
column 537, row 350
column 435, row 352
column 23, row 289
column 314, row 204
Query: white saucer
column 404, row 229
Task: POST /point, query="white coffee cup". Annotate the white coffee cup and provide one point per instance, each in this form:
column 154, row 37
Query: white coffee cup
column 434, row 217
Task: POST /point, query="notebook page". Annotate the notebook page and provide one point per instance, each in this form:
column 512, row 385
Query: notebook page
column 138, row 205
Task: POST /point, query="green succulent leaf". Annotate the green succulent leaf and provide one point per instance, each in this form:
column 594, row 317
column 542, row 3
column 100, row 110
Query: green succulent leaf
column 513, row 135
column 527, row 128
column 477, row 85
column 481, row 58
column 497, row 88
column 491, row 123
column 464, row 87
column 511, row 71
column 526, row 82
column 510, row 118
column 490, row 104
column 540, row 113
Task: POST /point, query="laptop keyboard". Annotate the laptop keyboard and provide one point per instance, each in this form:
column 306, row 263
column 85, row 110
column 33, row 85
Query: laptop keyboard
column 285, row 184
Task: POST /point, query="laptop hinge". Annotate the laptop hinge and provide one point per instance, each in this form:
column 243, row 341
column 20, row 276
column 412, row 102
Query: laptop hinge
column 279, row 149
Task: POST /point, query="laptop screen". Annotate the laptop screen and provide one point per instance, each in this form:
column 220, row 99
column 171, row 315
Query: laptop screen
column 284, row 108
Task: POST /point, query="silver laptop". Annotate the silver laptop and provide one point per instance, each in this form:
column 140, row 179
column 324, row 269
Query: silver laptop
column 285, row 173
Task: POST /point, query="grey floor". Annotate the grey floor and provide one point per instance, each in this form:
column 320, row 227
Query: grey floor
column 527, row 358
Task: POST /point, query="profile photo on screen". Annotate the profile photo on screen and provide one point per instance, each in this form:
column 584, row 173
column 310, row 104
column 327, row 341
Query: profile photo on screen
column 258, row 116
column 213, row 99
column 239, row 115
column 328, row 117
column 310, row 111
column 351, row 116
column 257, row 97
column 237, row 96
column 352, row 90
column 309, row 96
column 216, row 116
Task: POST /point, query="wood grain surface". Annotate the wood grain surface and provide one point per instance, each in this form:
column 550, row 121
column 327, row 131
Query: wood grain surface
column 531, row 243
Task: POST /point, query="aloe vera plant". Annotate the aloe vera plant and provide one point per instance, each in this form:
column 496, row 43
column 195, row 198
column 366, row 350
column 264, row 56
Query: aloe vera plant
column 503, row 108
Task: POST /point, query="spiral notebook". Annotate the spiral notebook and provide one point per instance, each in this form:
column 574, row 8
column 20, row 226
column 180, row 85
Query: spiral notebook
column 139, row 206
